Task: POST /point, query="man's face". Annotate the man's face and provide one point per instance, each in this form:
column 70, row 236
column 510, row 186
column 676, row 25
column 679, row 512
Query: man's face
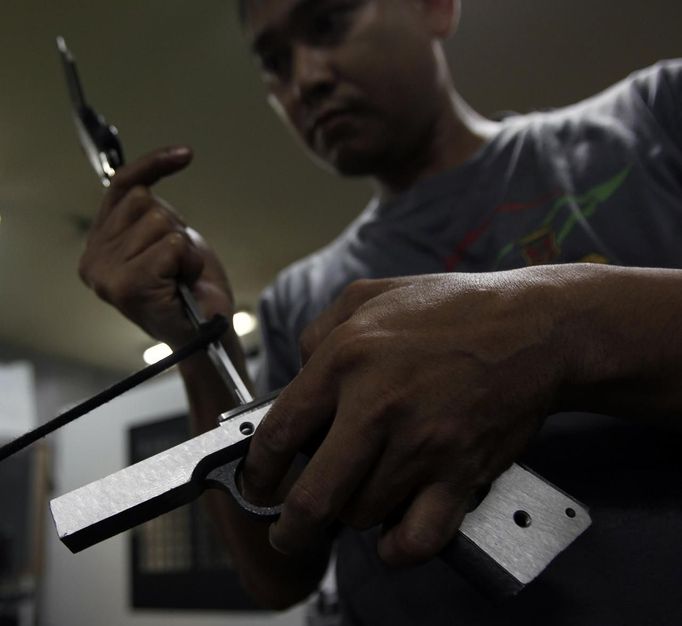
column 355, row 79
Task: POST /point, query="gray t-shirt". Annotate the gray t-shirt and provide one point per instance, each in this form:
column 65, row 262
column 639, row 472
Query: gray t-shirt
column 600, row 181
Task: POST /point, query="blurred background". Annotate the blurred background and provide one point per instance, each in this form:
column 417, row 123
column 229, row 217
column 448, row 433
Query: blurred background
column 166, row 72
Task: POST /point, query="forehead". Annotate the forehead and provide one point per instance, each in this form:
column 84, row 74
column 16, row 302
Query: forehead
column 260, row 15
column 265, row 17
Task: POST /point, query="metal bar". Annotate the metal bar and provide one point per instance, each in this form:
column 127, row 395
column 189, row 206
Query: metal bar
column 207, row 332
column 151, row 487
column 216, row 352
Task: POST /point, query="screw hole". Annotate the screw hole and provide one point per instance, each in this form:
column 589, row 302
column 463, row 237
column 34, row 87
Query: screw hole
column 570, row 513
column 246, row 428
column 522, row 519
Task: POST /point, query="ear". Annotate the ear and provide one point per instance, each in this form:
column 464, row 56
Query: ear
column 440, row 16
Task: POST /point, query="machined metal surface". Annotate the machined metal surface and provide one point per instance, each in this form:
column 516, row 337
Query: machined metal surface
column 503, row 544
column 516, row 532
column 151, row 487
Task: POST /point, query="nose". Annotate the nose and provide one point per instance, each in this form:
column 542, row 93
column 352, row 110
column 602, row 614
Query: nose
column 313, row 75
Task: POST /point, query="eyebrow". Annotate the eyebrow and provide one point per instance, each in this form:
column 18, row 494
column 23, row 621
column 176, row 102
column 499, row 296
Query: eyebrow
column 264, row 39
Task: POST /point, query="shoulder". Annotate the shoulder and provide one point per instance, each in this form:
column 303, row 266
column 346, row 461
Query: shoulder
column 646, row 99
column 658, row 81
column 642, row 110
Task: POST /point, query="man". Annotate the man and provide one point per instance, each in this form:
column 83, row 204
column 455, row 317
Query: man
column 417, row 391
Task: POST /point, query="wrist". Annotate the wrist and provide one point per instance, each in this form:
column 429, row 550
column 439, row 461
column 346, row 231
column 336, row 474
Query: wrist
column 552, row 307
column 616, row 336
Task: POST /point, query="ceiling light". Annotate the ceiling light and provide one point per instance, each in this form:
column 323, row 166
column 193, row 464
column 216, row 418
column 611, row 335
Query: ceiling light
column 244, row 323
column 156, row 353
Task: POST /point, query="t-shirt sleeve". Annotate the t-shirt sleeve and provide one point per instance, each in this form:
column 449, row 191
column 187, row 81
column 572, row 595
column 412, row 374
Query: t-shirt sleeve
column 660, row 87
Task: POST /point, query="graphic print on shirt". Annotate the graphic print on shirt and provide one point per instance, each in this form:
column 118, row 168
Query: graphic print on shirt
column 543, row 244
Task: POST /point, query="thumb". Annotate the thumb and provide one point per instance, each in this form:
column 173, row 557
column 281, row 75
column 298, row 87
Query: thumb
column 145, row 171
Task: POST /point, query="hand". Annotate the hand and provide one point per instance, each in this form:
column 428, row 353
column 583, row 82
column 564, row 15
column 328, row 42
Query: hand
column 139, row 248
column 423, row 390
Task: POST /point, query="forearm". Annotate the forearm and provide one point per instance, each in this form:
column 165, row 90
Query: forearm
column 621, row 337
column 274, row 580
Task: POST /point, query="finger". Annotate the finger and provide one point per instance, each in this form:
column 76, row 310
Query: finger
column 145, row 171
column 171, row 257
column 430, row 523
column 334, row 473
column 391, row 482
column 150, row 228
column 341, row 310
column 302, row 410
column 131, row 208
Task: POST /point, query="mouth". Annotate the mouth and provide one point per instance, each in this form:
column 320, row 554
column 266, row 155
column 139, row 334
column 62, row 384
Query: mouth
column 326, row 121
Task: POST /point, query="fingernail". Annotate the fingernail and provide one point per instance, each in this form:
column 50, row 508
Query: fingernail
column 273, row 539
column 178, row 153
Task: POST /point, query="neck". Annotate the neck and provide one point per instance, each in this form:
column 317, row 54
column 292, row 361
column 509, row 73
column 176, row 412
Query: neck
column 452, row 139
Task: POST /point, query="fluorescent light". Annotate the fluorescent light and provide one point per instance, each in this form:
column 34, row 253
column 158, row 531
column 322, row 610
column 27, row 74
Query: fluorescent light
column 156, row 353
column 244, row 323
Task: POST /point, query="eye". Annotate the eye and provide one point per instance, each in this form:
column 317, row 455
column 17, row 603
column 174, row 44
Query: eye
column 276, row 62
column 331, row 22
column 328, row 23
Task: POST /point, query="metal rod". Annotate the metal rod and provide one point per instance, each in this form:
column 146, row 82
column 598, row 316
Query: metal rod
column 208, row 332
column 216, row 352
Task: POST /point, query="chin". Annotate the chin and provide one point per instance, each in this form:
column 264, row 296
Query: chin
column 352, row 161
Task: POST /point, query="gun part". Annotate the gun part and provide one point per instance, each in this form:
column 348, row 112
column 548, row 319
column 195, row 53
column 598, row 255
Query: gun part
column 504, row 543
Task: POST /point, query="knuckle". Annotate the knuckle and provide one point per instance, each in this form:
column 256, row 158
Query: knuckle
column 356, row 293
column 418, row 542
column 137, row 202
column 160, row 219
column 116, row 292
column 175, row 240
column 305, row 504
column 139, row 195
column 308, row 341
column 119, row 290
column 358, row 289
column 347, row 349
column 273, row 436
column 101, row 289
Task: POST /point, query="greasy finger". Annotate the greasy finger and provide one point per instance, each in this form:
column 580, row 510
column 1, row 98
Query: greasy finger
column 335, row 472
column 145, row 171
column 430, row 523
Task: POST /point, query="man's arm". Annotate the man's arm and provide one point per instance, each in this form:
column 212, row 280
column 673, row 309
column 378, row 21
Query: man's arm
column 426, row 388
column 137, row 251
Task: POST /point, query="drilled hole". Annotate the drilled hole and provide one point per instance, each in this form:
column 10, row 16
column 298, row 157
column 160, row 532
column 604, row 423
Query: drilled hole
column 522, row 519
column 570, row 512
column 246, row 428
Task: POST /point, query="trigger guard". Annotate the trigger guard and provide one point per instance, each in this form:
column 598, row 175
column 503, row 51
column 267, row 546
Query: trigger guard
column 225, row 477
